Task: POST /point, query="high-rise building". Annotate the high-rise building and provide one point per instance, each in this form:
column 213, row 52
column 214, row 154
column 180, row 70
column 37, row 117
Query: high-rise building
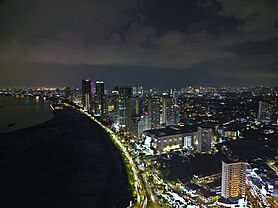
column 87, row 91
column 134, row 105
column 115, row 105
column 143, row 123
column 105, row 105
column 140, row 90
column 86, row 86
column 177, row 111
column 68, row 93
column 154, row 112
column 125, row 92
column 204, row 137
column 123, row 101
column 168, row 111
column 265, row 111
column 132, row 115
column 99, row 98
column 136, row 91
column 233, row 180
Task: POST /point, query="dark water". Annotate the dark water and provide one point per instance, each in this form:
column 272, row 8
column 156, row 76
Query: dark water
column 18, row 113
column 68, row 161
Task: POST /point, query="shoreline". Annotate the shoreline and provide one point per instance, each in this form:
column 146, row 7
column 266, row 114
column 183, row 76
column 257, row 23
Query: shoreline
column 24, row 113
column 66, row 128
column 27, row 126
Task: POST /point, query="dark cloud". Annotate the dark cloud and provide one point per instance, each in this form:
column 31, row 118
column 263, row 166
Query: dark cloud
column 265, row 47
column 189, row 17
column 223, row 40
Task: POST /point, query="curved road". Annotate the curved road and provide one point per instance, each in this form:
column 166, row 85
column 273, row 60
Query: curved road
column 144, row 193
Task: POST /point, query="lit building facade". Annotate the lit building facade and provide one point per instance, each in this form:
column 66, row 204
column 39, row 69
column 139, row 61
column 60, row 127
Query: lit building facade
column 87, row 91
column 132, row 115
column 168, row 111
column 265, row 111
column 123, row 102
column 136, row 91
column 154, row 106
column 233, row 180
column 143, row 123
column 100, row 99
column 204, row 137
column 114, row 106
column 172, row 138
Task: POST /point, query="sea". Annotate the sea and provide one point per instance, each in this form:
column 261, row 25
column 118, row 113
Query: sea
column 69, row 161
column 19, row 113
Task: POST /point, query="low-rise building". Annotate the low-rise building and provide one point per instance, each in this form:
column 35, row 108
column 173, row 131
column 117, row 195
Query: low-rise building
column 172, row 138
column 232, row 203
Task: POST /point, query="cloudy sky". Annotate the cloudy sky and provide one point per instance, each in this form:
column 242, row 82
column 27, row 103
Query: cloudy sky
column 156, row 43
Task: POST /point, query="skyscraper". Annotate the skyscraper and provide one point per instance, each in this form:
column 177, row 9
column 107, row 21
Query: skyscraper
column 115, row 103
column 99, row 98
column 265, row 111
column 124, row 94
column 86, row 93
column 168, row 113
column 143, row 123
column 154, row 112
column 68, row 93
column 133, row 115
column 233, row 180
column 134, row 105
column 136, row 91
column 86, row 86
column 204, row 137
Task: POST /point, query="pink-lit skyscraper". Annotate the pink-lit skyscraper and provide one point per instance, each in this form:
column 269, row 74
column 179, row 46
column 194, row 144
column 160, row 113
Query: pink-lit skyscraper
column 86, row 93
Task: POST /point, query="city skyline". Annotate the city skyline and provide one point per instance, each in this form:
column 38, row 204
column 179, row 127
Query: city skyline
column 165, row 136
column 150, row 43
column 139, row 103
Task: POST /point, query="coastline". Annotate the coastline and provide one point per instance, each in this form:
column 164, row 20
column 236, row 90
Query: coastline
column 21, row 113
column 29, row 126
column 66, row 134
column 15, row 127
column 12, row 142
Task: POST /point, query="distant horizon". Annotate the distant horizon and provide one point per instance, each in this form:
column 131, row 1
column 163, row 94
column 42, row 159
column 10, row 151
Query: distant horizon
column 144, row 87
column 113, row 75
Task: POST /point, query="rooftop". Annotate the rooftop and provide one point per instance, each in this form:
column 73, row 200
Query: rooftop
column 172, row 130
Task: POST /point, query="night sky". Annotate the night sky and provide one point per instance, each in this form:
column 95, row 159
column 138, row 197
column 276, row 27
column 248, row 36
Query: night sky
column 155, row 43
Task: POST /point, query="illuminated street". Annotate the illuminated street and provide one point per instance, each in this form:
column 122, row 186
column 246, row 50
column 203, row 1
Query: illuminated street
column 144, row 196
column 184, row 93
